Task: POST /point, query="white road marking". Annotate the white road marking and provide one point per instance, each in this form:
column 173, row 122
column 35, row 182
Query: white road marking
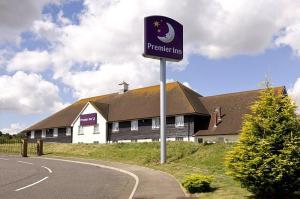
column 32, row 184
column 3, row 159
column 25, row 162
column 50, row 171
column 136, row 178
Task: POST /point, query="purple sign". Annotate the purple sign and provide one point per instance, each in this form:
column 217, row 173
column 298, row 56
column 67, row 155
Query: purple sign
column 88, row 119
column 163, row 38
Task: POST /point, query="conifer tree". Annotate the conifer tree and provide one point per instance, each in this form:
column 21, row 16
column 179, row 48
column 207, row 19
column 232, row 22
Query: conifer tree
column 266, row 159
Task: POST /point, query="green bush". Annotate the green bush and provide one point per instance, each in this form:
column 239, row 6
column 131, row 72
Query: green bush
column 266, row 160
column 197, row 183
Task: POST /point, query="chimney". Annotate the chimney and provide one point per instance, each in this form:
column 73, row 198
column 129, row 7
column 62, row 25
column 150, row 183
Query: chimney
column 124, row 87
column 217, row 116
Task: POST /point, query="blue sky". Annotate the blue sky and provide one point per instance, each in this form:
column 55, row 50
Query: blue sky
column 64, row 50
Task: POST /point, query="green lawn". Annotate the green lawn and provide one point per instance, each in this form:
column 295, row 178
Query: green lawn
column 183, row 159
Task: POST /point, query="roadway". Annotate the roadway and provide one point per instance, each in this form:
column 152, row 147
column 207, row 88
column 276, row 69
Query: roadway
column 22, row 178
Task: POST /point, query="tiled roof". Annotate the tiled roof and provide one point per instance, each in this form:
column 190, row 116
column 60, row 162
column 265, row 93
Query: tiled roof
column 233, row 107
column 134, row 104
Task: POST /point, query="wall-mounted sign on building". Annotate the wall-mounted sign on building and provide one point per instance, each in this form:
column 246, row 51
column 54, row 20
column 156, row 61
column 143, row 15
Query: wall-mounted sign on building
column 88, row 119
column 163, row 38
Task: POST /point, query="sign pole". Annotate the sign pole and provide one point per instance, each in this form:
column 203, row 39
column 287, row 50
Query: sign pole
column 163, row 40
column 163, row 149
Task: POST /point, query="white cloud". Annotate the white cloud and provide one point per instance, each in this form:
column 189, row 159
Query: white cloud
column 46, row 29
column 105, row 47
column 294, row 92
column 107, row 78
column 187, row 84
column 28, row 94
column 17, row 16
column 33, row 61
column 109, row 36
column 13, row 128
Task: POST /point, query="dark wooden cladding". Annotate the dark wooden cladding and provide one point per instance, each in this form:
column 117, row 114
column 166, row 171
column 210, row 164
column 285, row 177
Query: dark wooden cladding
column 61, row 138
column 145, row 130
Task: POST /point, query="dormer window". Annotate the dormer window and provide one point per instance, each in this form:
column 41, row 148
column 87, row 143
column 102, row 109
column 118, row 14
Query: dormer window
column 217, row 116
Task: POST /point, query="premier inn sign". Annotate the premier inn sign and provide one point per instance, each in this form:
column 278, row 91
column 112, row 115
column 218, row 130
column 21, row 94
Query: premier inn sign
column 88, row 119
column 163, row 38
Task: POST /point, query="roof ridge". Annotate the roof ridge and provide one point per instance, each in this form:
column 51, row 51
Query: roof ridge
column 182, row 90
column 156, row 85
column 247, row 91
column 188, row 88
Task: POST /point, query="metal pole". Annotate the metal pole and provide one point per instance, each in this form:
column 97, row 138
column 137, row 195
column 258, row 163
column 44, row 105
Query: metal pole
column 163, row 150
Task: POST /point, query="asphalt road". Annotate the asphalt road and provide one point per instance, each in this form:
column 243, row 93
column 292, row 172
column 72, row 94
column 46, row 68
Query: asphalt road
column 22, row 178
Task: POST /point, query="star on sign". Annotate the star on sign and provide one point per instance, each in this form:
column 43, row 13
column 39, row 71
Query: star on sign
column 156, row 24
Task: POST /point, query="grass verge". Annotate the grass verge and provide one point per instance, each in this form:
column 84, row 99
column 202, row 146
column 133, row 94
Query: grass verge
column 183, row 159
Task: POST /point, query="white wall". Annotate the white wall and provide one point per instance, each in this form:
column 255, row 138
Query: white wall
column 216, row 138
column 150, row 140
column 88, row 131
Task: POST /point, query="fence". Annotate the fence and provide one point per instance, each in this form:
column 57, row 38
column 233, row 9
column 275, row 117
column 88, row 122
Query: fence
column 23, row 147
column 10, row 146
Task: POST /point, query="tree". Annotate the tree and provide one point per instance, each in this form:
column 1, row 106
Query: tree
column 266, row 159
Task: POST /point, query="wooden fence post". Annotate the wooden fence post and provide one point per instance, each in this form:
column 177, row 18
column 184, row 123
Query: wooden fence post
column 24, row 147
column 39, row 147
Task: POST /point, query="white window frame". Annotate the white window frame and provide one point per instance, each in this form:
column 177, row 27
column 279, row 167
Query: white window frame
column 155, row 123
column 179, row 121
column 80, row 130
column 134, row 125
column 115, row 126
column 178, row 138
column 32, row 135
column 68, row 131
column 96, row 129
column 55, row 132
column 43, row 133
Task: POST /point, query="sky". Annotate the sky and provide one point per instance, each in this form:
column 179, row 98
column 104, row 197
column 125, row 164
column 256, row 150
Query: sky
column 54, row 52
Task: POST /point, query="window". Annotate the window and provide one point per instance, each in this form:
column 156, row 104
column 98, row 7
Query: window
column 96, row 142
column 134, row 125
column 179, row 121
column 115, row 126
column 69, row 131
column 200, row 140
column 179, row 139
column 80, row 130
column 55, row 132
column 43, row 133
column 155, row 123
column 133, row 140
column 32, row 135
column 96, row 129
column 155, row 140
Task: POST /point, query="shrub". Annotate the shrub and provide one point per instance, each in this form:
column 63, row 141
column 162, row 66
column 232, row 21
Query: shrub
column 266, row 160
column 197, row 183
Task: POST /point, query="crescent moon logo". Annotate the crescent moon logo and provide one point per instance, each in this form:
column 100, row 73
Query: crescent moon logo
column 169, row 37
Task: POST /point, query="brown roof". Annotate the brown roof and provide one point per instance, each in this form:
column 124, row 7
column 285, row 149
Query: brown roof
column 134, row 104
column 233, row 107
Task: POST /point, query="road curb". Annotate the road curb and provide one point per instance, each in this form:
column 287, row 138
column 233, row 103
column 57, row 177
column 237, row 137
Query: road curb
column 136, row 178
